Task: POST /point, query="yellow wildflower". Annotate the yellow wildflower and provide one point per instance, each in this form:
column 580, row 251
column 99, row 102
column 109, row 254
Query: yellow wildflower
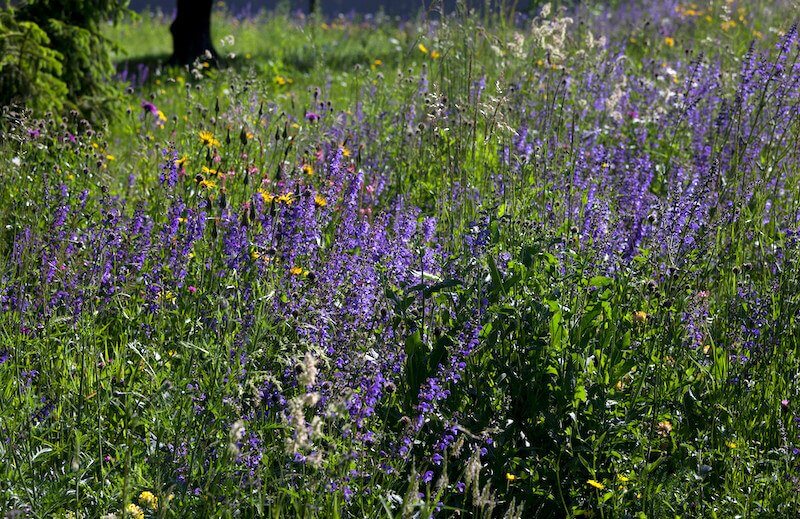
column 377, row 63
column 510, row 476
column 640, row 316
column 209, row 171
column 422, row 48
column 111, row 157
column 308, row 169
column 320, row 201
column 181, row 162
column 161, row 116
column 282, row 81
column 731, row 444
column 596, row 484
column 669, row 41
column 285, row 199
column 296, row 271
column 435, row 54
column 345, row 151
column 134, row 511
column 207, row 138
column 149, row 500
column 266, row 196
column 208, row 184
column 623, row 478
column 664, row 428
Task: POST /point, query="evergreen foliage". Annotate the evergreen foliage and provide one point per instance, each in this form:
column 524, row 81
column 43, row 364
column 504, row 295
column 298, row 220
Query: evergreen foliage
column 55, row 57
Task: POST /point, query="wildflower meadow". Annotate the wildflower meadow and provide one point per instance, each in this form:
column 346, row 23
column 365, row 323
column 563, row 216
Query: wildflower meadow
column 479, row 263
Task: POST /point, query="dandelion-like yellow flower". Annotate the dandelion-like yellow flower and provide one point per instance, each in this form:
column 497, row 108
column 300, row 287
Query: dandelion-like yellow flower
column 308, row 169
column 134, row 511
column 285, row 199
column 320, row 201
column 422, row 48
column 149, row 500
column 161, row 116
column 208, row 184
column 266, row 196
column 596, row 484
column 435, row 54
column 669, row 41
column 345, row 151
column 640, row 316
column 296, row 271
column 623, row 478
column 731, row 444
column 207, row 138
column 209, row 171
column 510, row 476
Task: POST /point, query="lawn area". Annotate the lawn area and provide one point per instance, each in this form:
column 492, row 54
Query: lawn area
column 516, row 265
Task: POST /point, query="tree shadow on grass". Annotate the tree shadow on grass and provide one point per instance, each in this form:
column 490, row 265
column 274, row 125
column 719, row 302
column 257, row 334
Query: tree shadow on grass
column 144, row 70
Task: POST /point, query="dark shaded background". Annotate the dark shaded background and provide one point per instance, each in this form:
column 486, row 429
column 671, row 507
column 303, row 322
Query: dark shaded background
column 331, row 7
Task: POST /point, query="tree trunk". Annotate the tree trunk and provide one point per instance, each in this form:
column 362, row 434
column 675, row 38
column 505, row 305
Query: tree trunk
column 191, row 32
